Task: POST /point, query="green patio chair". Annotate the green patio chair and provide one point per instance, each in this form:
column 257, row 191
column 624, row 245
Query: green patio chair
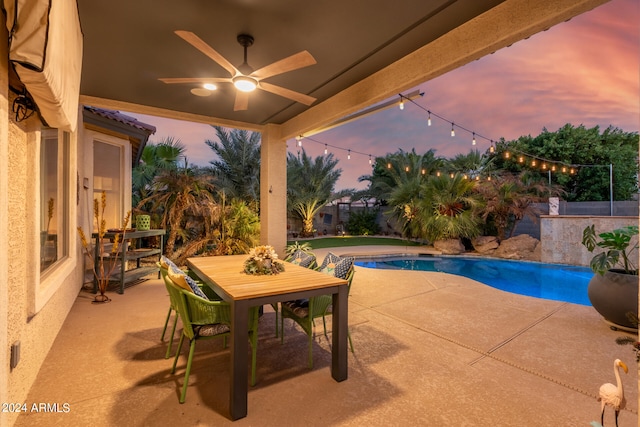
column 304, row 312
column 163, row 265
column 172, row 309
column 204, row 319
column 303, row 259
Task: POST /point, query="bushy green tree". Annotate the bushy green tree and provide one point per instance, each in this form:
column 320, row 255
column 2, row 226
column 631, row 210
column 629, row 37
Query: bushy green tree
column 363, row 223
column 587, row 151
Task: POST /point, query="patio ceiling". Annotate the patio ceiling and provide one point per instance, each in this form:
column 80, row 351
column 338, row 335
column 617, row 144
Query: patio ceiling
column 366, row 51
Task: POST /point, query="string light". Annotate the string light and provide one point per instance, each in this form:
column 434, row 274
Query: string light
column 406, row 168
column 546, row 164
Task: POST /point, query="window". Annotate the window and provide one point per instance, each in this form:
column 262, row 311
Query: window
column 108, row 177
column 54, row 198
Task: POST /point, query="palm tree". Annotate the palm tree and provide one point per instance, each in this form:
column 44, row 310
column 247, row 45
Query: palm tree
column 310, row 184
column 509, row 199
column 473, row 164
column 401, row 169
column 448, row 208
column 178, row 194
column 227, row 229
column 238, row 166
column 155, row 158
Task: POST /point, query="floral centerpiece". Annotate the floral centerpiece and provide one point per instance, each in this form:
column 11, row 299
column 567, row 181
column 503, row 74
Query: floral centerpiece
column 263, row 260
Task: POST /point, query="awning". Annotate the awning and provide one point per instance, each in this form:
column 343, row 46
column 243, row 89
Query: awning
column 45, row 46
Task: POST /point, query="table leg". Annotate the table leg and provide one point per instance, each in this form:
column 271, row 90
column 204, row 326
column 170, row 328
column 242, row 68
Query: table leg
column 339, row 335
column 238, row 387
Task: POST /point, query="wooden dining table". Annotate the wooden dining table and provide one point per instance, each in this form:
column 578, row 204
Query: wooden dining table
column 225, row 275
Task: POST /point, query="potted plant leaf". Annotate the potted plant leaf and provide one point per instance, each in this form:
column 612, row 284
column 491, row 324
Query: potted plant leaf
column 613, row 290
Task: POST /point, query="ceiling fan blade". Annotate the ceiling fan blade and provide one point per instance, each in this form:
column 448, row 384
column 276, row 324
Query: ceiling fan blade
column 287, row 93
column 203, row 80
column 293, row 62
column 242, row 101
column 203, row 47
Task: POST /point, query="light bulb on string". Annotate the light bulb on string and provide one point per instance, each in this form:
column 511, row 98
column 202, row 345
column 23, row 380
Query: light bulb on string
column 369, row 158
column 507, row 154
column 553, row 168
column 491, row 148
column 572, row 171
column 533, row 163
column 349, row 154
column 437, row 173
column 429, row 119
column 564, row 169
column 423, row 171
column 473, row 141
column 544, row 166
column 406, row 168
column 401, row 105
column 453, row 132
column 521, row 159
column 325, row 149
column 388, row 165
column 299, row 139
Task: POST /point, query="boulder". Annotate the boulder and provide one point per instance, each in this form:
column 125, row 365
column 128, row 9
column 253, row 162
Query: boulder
column 522, row 246
column 449, row 246
column 485, row 245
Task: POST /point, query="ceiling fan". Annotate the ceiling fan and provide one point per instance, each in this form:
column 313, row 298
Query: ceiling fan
column 244, row 78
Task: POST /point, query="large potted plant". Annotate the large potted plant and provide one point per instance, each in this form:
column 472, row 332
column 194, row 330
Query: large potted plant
column 613, row 290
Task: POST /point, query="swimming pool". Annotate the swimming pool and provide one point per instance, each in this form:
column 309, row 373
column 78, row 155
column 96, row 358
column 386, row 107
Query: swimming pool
column 550, row 281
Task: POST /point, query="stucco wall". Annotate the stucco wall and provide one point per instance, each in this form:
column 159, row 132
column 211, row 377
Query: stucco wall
column 36, row 330
column 34, row 324
column 4, row 221
column 561, row 236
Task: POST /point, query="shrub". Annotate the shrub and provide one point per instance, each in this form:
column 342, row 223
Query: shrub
column 363, row 223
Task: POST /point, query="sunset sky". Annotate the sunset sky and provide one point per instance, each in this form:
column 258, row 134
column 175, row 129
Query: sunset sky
column 584, row 72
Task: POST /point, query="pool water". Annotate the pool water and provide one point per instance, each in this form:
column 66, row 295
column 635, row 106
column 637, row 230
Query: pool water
column 550, row 281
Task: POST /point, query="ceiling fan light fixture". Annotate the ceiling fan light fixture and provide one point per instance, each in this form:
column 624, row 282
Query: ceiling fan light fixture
column 210, row 86
column 200, row 91
column 245, row 84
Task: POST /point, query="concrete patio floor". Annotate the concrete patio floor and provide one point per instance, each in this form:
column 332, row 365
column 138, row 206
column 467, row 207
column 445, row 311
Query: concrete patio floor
column 430, row 349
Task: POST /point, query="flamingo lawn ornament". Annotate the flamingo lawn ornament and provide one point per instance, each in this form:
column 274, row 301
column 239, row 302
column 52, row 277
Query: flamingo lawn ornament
column 613, row 395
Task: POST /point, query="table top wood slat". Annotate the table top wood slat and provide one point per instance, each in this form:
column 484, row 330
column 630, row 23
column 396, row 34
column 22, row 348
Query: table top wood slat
column 227, row 272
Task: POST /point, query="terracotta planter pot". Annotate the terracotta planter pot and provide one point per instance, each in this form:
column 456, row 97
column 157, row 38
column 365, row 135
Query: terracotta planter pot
column 613, row 296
